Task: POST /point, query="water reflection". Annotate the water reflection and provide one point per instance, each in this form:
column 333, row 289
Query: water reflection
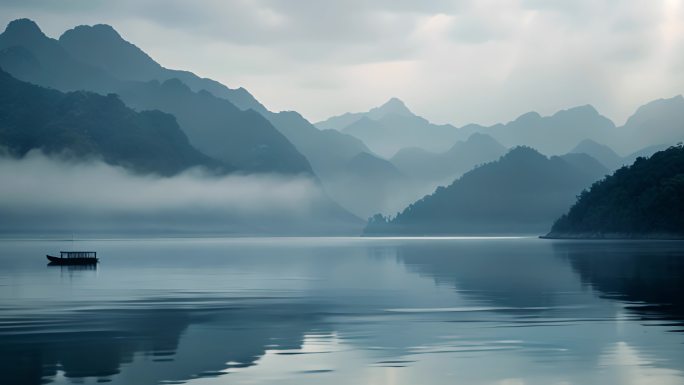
column 88, row 267
column 146, row 338
column 346, row 311
column 649, row 276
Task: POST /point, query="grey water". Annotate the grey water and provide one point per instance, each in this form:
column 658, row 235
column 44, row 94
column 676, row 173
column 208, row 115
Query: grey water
column 502, row 311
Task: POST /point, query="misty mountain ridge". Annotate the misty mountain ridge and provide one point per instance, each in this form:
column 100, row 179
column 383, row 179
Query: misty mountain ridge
column 102, row 46
column 29, row 55
column 82, row 132
column 660, row 122
column 554, row 134
column 657, row 124
column 106, row 36
column 242, row 138
column 392, row 126
column 392, row 106
column 216, row 127
column 368, row 184
column 609, row 158
column 342, row 151
column 327, row 151
column 600, row 152
column 86, row 125
column 522, row 192
column 444, row 167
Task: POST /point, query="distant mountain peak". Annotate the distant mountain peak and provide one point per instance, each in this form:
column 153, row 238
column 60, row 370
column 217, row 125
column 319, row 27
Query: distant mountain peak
column 586, row 110
column 587, row 142
column 23, row 29
column 175, row 84
column 528, row 117
column 393, row 106
column 675, row 100
column 479, row 137
column 102, row 46
column 658, row 107
column 521, row 153
column 101, row 31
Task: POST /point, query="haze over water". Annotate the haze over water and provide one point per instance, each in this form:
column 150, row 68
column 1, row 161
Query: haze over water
column 344, row 311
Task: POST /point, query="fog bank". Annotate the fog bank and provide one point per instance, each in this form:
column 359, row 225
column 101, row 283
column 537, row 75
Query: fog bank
column 45, row 195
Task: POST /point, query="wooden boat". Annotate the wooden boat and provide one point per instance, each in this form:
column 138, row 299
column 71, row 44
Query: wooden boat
column 74, row 258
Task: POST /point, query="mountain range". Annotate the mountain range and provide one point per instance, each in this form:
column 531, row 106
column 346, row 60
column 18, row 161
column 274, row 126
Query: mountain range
column 211, row 131
column 380, row 160
column 248, row 140
column 392, row 126
column 522, row 192
column 101, row 46
column 85, row 125
column 227, row 124
column 443, row 168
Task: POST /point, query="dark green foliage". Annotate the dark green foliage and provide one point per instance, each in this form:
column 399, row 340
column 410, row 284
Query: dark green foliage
column 85, row 125
column 644, row 198
column 521, row 192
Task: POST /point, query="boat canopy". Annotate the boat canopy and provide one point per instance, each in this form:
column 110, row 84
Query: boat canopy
column 78, row 254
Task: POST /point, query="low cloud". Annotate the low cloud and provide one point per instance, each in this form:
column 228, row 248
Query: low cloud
column 44, row 195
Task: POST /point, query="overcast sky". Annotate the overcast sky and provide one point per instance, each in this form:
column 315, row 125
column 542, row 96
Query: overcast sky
column 457, row 61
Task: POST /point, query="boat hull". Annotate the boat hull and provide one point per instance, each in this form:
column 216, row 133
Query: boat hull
column 71, row 261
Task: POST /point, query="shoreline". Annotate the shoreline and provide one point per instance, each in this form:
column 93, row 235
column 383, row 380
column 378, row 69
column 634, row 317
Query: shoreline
column 614, row 236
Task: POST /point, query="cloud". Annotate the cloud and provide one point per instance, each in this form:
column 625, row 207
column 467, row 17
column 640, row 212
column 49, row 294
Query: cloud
column 479, row 61
column 47, row 195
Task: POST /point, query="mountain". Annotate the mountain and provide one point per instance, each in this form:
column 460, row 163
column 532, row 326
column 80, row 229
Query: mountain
column 521, row 192
column 87, row 125
column 366, row 184
column 645, row 152
column 656, row 123
column 391, row 127
column 216, row 127
column 327, row 150
column 600, row 152
column 101, row 46
column 644, row 200
column 29, row 55
column 243, row 138
column 550, row 134
column 445, row 167
column 392, row 106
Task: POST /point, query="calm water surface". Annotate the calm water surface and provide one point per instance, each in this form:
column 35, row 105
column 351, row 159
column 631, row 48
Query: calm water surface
column 344, row 311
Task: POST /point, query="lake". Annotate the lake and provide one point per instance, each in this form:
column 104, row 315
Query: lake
column 505, row 311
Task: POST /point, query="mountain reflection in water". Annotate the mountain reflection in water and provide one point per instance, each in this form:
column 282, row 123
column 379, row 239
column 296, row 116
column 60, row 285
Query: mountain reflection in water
column 339, row 311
